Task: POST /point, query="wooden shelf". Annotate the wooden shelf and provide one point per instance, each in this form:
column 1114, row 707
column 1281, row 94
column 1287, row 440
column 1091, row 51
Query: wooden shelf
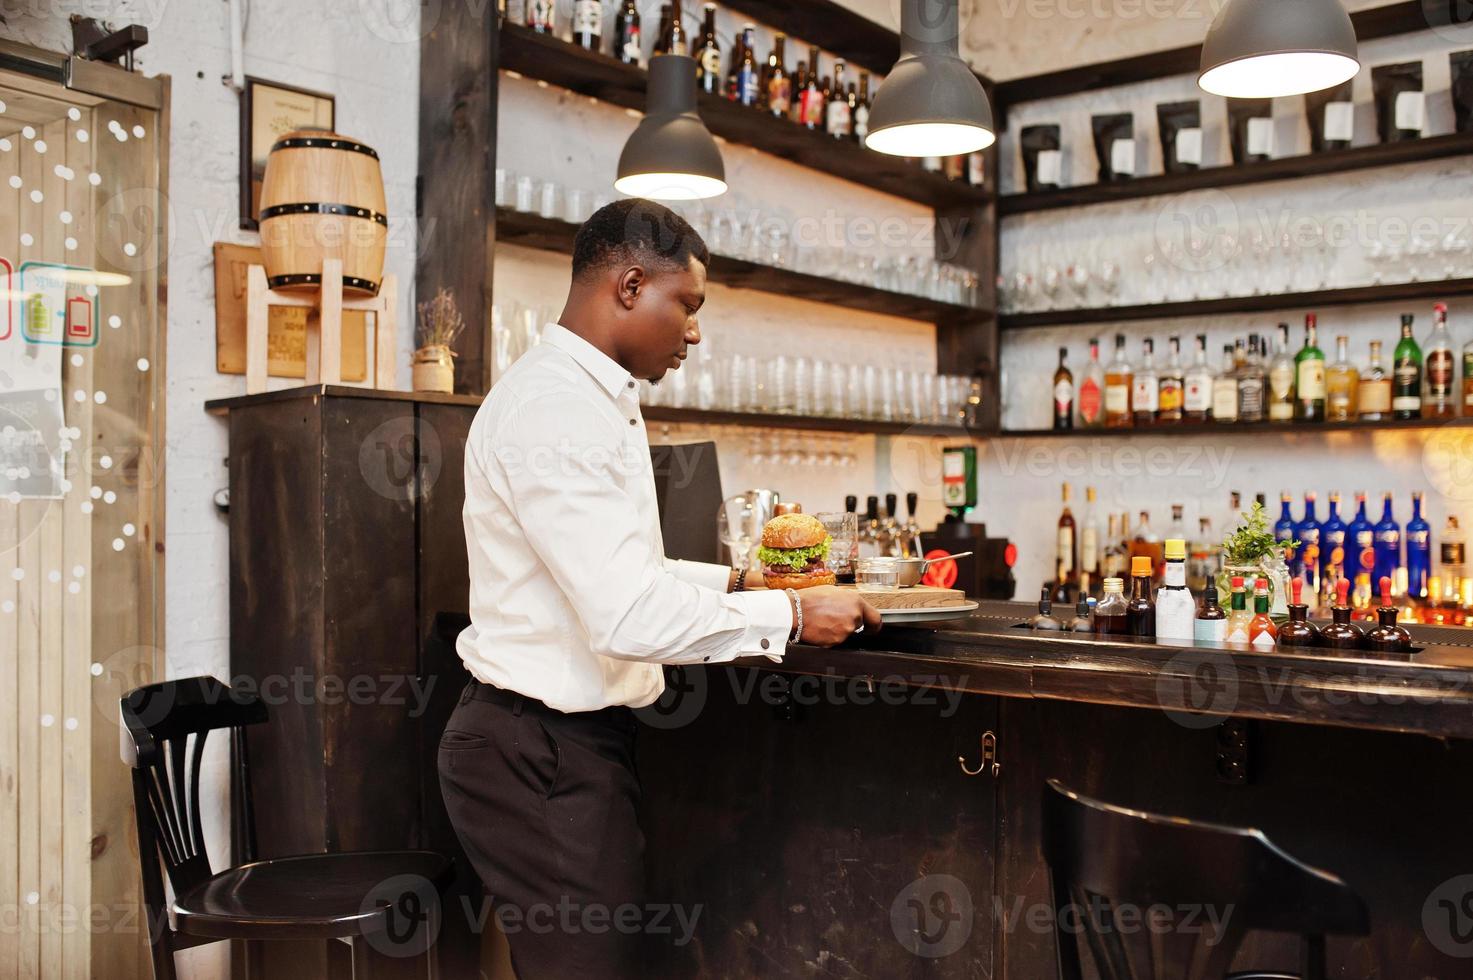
column 552, row 234
column 1189, row 429
column 599, row 76
column 761, row 420
column 846, row 35
column 1375, row 22
column 1283, row 168
column 1351, row 295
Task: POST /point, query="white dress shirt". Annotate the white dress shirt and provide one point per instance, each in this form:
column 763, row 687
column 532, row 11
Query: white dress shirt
column 572, row 599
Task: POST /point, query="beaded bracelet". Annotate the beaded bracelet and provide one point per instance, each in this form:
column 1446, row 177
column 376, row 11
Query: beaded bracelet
column 798, row 608
column 741, row 581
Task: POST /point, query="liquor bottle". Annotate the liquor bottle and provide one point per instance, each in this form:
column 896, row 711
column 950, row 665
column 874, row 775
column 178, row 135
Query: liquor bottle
column 745, row 89
column 626, row 35
column 779, row 84
column 1373, row 394
column 1238, row 614
column 1309, row 376
column 1388, row 637
column 1175, row 609
column 1308, row 533
column 1438, row 400
column 1262, row 633
column 540, row 15
column 1170, row 392
column 1360, row 549
column 1176, row 529
column 708, row 56
column 1252, row 385
column 1298, row 631
column 1281, row 373
column 861, row 109
column 811, row 103
column 1202, row 557
column 1340, row 634
column 1342, row 384
column 836, row 121
column 1453, row 558
column 1225, row 388
column 739, row 44
column 1118, row 384
column 1111, row 614
column 1089, row 543
column 800, row 85
column 1066, row 565
column 1045, row 619
column 1196, row 398
column 1332, row 545
column 1419, row 550
column 1211, row 621
column 1146, row 389
column 1145, row 544
column 1468, row 379
column 1140, row 611
column 672, row 38
column 1091, row 393
column 1113, row 561
column 1284, row 534
column 588, row 24
column 1388, row 543
column 1406, row 385
column 1063, row 394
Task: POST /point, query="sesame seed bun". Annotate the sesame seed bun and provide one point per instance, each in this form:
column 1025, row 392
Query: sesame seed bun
column 793, row 531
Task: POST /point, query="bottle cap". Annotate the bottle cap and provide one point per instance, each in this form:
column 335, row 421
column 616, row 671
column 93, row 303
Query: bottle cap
column 1297, row 587
column 1342, row 589
column 1237, row 581
column 1261, row 585
column 1385, row 590
column 1140, row 566
column 1113, row 584
column 1176, row 549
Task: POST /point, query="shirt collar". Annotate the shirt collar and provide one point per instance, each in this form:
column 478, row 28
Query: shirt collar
column 604, row 369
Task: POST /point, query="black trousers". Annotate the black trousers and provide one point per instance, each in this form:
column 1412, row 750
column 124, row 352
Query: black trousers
column 545, row 805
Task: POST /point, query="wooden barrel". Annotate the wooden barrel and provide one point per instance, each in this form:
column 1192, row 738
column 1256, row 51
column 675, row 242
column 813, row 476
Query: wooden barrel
column 322, row 197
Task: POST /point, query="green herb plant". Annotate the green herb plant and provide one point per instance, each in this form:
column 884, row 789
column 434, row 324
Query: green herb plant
column 1253, row 540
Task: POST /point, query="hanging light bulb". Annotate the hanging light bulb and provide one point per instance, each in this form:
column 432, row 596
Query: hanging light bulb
column 1259, row 49
column 931, row 104
column 671, row 156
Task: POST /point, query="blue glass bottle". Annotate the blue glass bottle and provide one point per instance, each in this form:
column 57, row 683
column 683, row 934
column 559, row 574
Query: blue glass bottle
column 1308, row 533
column 1332, row 544
column 1388, row 545
column 1284, row 533
column 1360, row 549
column 1419, row 550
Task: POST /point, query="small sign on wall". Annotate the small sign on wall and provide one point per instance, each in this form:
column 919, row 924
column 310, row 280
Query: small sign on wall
column 268, row 111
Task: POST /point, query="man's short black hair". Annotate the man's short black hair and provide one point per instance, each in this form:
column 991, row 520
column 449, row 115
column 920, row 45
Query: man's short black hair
column 635, row 231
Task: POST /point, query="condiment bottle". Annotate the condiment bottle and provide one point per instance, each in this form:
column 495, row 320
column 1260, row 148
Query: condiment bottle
column 1080, row 623
column 1140, row 611
column 1262, row 633
column 1298, row 631
column 1174, row 606
column 1340, row 635
column 1109, row 618
column 1388, row 637
column 1211, row 621
column 1238, row 616
column 1045, row 619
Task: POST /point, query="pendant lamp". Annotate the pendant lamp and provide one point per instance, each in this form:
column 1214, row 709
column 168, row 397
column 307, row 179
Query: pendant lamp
column 671, row 156
column 1258, row 49
column 932, row 103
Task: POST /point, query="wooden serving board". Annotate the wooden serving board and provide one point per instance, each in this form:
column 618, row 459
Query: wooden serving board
column 915, row 597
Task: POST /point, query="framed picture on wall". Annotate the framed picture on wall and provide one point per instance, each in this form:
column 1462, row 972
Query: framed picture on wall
column 268, row 111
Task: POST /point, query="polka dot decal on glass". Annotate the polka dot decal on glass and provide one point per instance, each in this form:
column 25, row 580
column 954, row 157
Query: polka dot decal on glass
column 74, row 114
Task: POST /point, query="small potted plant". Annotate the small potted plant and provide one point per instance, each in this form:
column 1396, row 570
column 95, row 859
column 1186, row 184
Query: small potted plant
column 1252, row 552
column 439, row 324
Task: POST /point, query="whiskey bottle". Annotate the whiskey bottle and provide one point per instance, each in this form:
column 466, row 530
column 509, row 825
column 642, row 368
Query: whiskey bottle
column 1342, row 382
column 1373, row 398
column 1145, row 392
column 1406, row 374
column 1438, row 401
column 1251, row 384
column 1197, row 385
column 1090, row 395
column 1118, row 384
column 1225, row 388
column 1066, row 566
column 810, row 103
column 1309, row 376
column 1281, row 380
column 1063, row 394
column 1170, row 391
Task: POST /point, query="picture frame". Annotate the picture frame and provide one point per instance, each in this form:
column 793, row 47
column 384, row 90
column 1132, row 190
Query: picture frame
column 267, row 111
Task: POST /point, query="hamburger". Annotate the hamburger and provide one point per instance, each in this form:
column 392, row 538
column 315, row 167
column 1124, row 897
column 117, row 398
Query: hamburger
column 793, row 550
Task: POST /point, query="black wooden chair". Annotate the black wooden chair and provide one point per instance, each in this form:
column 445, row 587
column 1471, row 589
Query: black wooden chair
column 1104, row 859
column 383, row 904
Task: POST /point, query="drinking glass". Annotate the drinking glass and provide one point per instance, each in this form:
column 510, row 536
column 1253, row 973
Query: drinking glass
column 505, row 181
column 575, row 206
column 526, row 194
column 843, row 528
column 802, row 395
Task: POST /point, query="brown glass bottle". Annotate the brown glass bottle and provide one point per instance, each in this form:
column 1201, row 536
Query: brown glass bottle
column 1387, row 637
column 1340, row 634
column 1110, row 611
column 1298, row 631
column 1140, row 611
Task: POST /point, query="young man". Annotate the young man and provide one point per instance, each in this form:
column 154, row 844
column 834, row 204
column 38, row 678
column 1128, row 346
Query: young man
column 574, row 607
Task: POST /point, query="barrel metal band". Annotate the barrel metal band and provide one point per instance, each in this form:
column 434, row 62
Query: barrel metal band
column 322, row 143
column 324, row 207
column 315, row 279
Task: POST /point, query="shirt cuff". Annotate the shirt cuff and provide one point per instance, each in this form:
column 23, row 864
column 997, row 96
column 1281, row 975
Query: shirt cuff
column 700, row 573
column 769, row 623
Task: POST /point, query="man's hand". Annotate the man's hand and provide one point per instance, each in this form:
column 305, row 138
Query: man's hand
column 831, row 615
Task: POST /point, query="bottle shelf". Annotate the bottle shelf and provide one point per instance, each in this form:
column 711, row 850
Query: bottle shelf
column 553, row 234
column 848, row 36
column 1233, row 428
column 817, row 423
column 1312, row 299
column 600, row 76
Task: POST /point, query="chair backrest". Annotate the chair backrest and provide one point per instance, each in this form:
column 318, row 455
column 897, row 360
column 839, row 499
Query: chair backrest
column 164, row 727
column 1170, row 898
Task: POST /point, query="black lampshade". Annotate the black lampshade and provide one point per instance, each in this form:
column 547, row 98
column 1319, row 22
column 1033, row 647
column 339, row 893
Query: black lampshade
column 671, row 155
column 1257, row 49
column 931, row 104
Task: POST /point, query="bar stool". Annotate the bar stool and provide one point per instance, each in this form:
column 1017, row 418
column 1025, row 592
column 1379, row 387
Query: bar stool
column 383, row 904
column 1102, row 858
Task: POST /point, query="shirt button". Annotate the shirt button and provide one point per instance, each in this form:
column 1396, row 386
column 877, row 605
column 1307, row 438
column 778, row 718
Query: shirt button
column 631, row 384
column 633, row 422
column 765, row 644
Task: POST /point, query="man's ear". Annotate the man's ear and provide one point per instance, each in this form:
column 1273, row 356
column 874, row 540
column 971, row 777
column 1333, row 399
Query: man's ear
column 631, row 281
